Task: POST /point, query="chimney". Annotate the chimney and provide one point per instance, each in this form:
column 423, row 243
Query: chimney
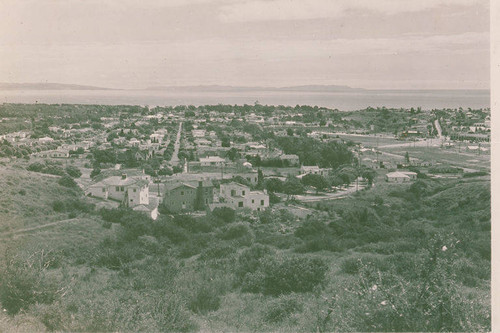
column 124, row 176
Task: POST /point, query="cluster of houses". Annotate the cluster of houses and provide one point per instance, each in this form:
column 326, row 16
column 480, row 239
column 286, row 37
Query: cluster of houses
column 186, row 196
column 177, row 196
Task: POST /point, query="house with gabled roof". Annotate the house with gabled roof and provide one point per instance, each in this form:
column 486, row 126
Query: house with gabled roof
column 238, row 196
column 188, row 196
column 130, row 191
column 400, row 176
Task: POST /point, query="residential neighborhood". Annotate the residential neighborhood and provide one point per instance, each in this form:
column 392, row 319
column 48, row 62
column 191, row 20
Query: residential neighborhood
column 190, row 159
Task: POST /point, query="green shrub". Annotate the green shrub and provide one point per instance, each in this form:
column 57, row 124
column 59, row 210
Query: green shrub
column 192, row 224
column 295, row 274
column 319, row 243
column 114, row 214
column 106, row 225
column 253, row 282
column 36, row 167
column 281, row 308
column 280, row 241
column 236, row 231
column 205, row 299
column 350, row 265
column 73, row 171
column 217, row 252
column 165, row 228
column 475, row 174
column 24, row 282
column 58, row 206
column 67, row 181
column 170, row 315
column 249, row 259
column 72, row 205
column 95, row 172
column 226, row 214
column 311, row 228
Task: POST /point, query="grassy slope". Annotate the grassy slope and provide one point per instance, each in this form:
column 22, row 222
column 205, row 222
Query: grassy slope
column 102, row 299
column 33, row 208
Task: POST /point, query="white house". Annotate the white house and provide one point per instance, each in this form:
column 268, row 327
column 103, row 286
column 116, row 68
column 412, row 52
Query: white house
column 238, row 196
column 292, row 159
column 212, row 161
column 315, row 170
column 134, row 142
column 156, row 138
column 59, row 153
column 45, row 140
column 400, row 176
column 198, row 133
column 131, row 191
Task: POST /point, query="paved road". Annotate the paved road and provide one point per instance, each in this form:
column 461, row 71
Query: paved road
column 330, row 196
column 438, row 128
column 177, row 144
column 417, row 143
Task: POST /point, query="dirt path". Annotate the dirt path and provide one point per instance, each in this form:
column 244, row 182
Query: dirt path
column 43, row 226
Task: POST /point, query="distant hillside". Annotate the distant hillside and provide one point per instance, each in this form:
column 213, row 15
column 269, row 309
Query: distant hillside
column 47, row 86
column 217, row 88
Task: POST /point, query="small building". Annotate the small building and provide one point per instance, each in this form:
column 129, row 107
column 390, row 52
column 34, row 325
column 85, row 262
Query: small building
column 314, row 170
column 198, row 133
column 400, row 176
column 291, row 159
column 151, row 209
column 238, row 196
column 59, row 153
column 45, row 140
column 212, row 161
column 156, row 138
column 185, row 196
column 134, row 142
column 130, row 191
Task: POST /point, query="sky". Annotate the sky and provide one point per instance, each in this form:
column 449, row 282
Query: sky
column 373, row 44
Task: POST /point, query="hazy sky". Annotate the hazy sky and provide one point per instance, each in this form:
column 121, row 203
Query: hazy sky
column 141, row 43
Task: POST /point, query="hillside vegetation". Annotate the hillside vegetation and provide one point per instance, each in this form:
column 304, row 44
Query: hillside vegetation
column 395, row 258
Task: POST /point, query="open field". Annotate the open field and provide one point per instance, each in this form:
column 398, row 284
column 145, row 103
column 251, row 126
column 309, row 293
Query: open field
column 444, row 156
column 370, row 140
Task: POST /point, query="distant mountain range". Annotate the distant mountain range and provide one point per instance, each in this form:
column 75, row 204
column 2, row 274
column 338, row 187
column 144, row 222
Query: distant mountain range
column 216, row 88
column 210, row 88
column 201, row 88
column 47, row 86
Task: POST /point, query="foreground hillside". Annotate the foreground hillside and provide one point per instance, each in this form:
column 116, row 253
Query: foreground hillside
column 395, row 258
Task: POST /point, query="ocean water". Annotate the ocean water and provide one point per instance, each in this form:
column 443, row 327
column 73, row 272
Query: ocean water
column 344, row 101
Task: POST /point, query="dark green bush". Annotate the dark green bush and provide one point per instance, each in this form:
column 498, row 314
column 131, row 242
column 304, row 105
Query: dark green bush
column 114, row 214
column 311, row 228
column 281, row 308
column 249, row 259
column 192, row 224
column 72, row 205
column 24, row 282
column 206, row 299
column 217, row 252
column 295, row 274
column 225, row 214
column 319, row 243
column 67, row 181
column 73, row 171
column 350, row 265
column 283, row 275
column 236, row 231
